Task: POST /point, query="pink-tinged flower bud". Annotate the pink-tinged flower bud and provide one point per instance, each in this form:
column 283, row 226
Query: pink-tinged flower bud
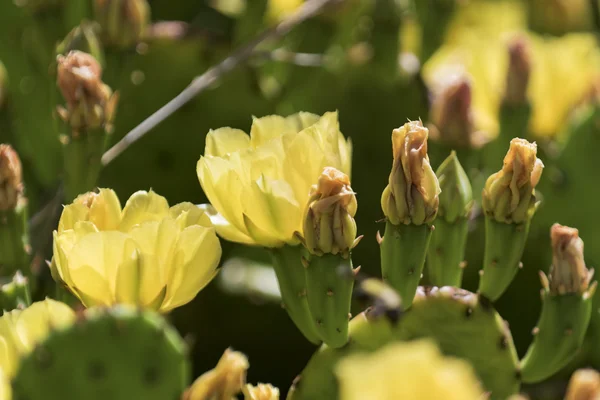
column 11, row 178
column 509, row 194
column 519, row 68
column 568, row 273
column 329, row 225
column 412, row 194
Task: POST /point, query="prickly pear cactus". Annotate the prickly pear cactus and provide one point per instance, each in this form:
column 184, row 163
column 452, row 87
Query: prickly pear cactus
column 461, row 323
column 121, row 353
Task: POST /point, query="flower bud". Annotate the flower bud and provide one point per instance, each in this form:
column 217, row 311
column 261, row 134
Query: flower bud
column 412, row 195
column 90, row 103
column 225, row 381
column 452, row 115
column 329, row 225
column 519, row 67
column 568, row 273
column 509, row 195
column 261, row 392
column 456, row 198
column 11, row 179
column 584, row 385
column 83, row 38
column 123, row 22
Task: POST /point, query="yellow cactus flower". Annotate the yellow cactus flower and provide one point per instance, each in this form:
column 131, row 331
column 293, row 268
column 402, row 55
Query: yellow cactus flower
column 277, row 10
column 406, row 370
column 225, row 381
column 259, row 184
column 22, row 330
column 261, row 391
column 145, row 254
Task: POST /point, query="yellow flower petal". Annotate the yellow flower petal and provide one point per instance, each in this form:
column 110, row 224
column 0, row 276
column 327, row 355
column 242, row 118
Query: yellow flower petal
column 197, row 257
column 223, row 188
column 269, row 127
column 225, row 140
column 105, row 211
column 224, row 228
column 270, row 205
column 72, row 214
column 187, row 214
column 94, row 262
column 141, row 207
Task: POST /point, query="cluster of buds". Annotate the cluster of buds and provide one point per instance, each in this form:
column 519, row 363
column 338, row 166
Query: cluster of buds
column 329, row 225
column 568, row 273
column 412, row 194
column 509, row 194
column 90, row 104
column 11, row 178
column 519, row 68
column 452, row 118
column 123, row 22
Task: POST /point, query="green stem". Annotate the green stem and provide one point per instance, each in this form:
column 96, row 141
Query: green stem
column 287, row 262
column 559, row 335
column 82, row 163
column 14, row 241
column 446, row 255
column 504, row 245
column 329, row 283
column 403, row 251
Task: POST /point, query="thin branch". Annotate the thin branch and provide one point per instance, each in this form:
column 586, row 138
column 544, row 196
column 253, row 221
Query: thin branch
column 285, row 56
column 200, row 83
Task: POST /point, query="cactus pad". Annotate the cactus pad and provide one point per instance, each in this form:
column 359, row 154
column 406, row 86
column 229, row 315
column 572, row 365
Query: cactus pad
column 462, row 325
column 115, row 354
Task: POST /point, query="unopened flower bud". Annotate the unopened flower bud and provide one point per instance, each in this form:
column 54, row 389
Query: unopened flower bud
column 11, row 179
column 225, row 381
column 452, row 115
column 329, row 225
column 90, row 103
column 509, row 195
column 83, row 38
column 519, row 67
column 456, row 198
column 412, row 195
column 123, row 22
column 261, row 392
column 568, row 273
column 584, row 385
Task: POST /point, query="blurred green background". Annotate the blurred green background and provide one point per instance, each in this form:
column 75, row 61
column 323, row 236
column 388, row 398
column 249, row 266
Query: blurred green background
column 370, row 55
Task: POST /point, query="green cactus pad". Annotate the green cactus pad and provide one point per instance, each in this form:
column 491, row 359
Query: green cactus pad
column 462, row 325
column 403, row 252
column 118, row 354
column 329, row 283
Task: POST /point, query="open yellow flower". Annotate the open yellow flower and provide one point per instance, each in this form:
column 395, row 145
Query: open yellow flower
column 259, row 184
column 406, row 370
column 145, row 254
column 22, row 330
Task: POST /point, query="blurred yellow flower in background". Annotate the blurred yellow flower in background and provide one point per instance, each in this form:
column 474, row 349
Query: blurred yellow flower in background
column 406, row 370
column 146, row 254
column 259, row 184
column 277, row 10
column 476, row 46
column 22, row 330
